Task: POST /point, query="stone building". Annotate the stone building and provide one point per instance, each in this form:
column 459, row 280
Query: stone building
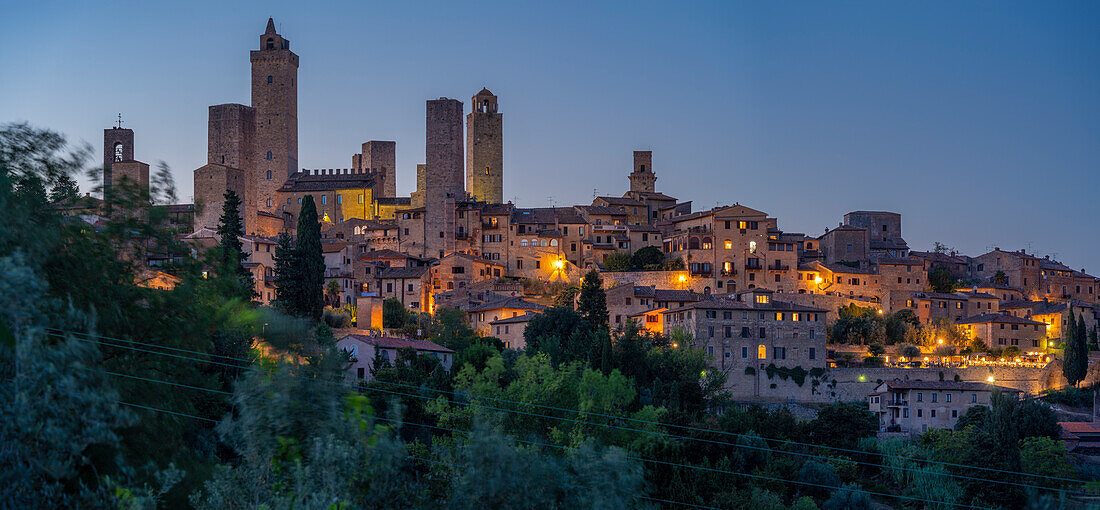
column 485, row 149
column 252, row 150
column 510, row 330
column 340, row 194
column 363, row 348
column 275, row 100
column 999, row 330
column 444, row 184
column 913, row 407
column 747, row 332
column 379, row 158
column 482, row 316
column 734, row 248
column 118, row 146
column 409, row 285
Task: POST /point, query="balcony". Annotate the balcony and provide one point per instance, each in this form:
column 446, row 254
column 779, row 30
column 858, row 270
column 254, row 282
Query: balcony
column 753, row 267
column 490, row 224
column 897, row 403
column 731, row 272
column 779, row 267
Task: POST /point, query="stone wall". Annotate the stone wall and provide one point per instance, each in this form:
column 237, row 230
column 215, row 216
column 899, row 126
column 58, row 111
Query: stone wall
column 211, row 182
column 659, row 279
column 485, row 157
column 845, row 384
column 444, row 176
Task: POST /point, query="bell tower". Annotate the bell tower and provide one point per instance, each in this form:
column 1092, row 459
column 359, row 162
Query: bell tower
column 485, row 149
column 275, row 100
column 642, row 179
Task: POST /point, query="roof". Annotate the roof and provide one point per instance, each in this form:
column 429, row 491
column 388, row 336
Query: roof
column 547, row 215
column 730, row 304
column 654, row 195
column 600, row 209
column 515, row 320
column 306, row 181
column 385, row 253
column 938, row 295
column 889, row 244
column 978, row 295
column 401, row 272
column 647, row 312
column 621, row 201
column 675, row 295
column 998, row 318
column 508, row 302
column 946, row 385
column 393, row 200
column 1076, row 428
column 386, row 342
column 908, row 261
column 467, row 256
column 484, row 92
column 331, row 247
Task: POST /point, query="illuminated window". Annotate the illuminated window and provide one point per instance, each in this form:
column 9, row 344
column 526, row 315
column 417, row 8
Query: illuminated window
column 752, row 246
column 762, row 352
column 727, row 266
column 778, row 316
column 729, row 245
column 762, row 299
column 743, row 225
column 360, row 198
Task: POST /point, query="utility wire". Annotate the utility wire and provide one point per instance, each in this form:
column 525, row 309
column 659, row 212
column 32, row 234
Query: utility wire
column 658, row 424
column 167, row 411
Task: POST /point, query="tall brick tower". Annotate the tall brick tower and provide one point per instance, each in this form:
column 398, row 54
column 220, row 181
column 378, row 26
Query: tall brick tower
column 275, row 99
column 642, row 179
column 485, row 149
column 118, row 145
column 443, row 183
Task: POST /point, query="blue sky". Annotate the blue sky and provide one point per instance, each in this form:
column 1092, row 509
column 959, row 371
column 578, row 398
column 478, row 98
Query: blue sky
column 978, row 121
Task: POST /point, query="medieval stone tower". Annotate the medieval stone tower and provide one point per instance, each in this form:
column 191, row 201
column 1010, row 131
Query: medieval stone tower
column 485, row 149
column 118, row 145
column 275, row 99
column 443, row 183
column 642, row 179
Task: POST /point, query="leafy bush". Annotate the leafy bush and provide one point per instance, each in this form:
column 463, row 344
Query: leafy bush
column 1070, row 396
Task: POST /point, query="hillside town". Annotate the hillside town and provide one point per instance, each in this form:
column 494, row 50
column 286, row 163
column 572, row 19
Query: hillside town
column 453, row 283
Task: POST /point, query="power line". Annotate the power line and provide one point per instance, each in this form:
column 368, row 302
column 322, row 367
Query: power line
column 716, row 470
column 148, row 344
column 185, row 415
column 168, row 383
column 664, row 433
column 166, row 411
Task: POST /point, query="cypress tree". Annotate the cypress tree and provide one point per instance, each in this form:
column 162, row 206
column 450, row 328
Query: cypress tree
column 286, row 278
column 1083, row 339
column 231, row 271
column 310, row 260
column 592, row 303
column 606, row 356
column 64, row 188
column 1076, row 356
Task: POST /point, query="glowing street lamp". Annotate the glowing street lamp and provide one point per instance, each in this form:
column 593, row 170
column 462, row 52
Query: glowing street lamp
column 990, row 378
column 559, row 264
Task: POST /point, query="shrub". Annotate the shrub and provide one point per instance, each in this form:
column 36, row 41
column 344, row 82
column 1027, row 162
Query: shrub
column 873, row 361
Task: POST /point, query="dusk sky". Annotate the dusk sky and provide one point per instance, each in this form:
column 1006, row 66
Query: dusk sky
column 978, row 121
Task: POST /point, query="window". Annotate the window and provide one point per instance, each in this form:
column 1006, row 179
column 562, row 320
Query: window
column 779, row 353
column 933, row 413
column 920, row 396
column 954, row 413
column 269, row 155
column 745, row 332
column 360, row 372
column 920, row 413
column 269, row 202
column 934, row 395
column 269, row 173
column 744, row 350
column 948, row 398
column 729, row 331
column 762, row 351
column 324, row 199
column 813, row 352
column 710, row 350
column 763, row 333
column 710, row 331
column 339, row 199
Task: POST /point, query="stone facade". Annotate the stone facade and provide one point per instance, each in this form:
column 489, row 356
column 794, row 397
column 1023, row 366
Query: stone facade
column 118, row 145
column 443, row 184
column 211, row 182
column 275, row 99
column 643, row 179
column 231, row 138
column 747, row 335
column 380, row 159
column 485, row 149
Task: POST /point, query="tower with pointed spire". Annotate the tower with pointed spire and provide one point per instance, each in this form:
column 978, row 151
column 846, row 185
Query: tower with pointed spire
column 275, row 100
column 485, row 149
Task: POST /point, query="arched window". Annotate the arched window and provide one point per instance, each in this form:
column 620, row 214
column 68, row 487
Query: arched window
column 118, row 152
column 269, row 155
column 706, row 290
column 270, row 43
column 542, row 242
column 706, row 243
column 762, row 351
column 269, row 78
column 358, row 231
column 731, row 286
column 693, row 243
column 523, row 242
column 269, row 172
column 553, row 242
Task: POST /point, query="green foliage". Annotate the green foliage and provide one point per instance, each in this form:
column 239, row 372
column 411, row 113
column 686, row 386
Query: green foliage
column 848, row 498
column 1000, row 278
column 647, row 258
column 876, row 349
column 234, row 278
column 910, row 351
column 336, row 318
column 563, row 335
column 796, row 374
column 1047, row 457
column 617, row 261
column 843, row 425
column 310, row 259
column 858, row 325
column 394, row 314
column 564, row 298
column 940, row 280
column 1076, row 356
column 64, row 190
column 592, row 303
column 1070, row 396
